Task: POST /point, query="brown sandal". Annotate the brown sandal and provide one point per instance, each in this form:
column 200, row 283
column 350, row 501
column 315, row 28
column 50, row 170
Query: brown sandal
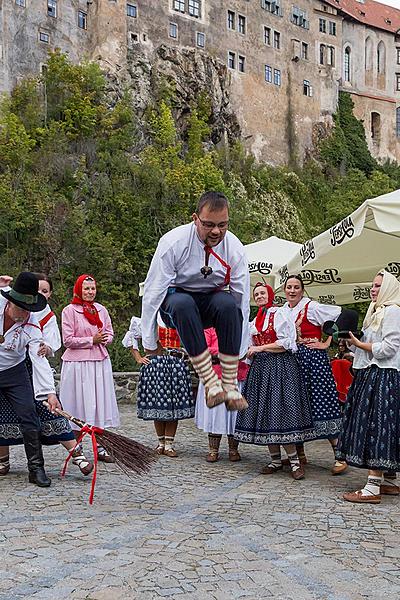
column 4, row 465
column 270, row 469
column 80, row 460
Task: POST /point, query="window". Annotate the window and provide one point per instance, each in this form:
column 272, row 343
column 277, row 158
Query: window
column 398, row 55
column 347, row 63
column 173, row 31
column 272, row 7
column 231, row 19
column 82, row 19
column 267, row 36
column 375, row 126
column 241, row 24
column 397, row 82
column 332, row 28
column 231, row 60
column 51, row 8
column 398, row 122
column 330, row 58
column 268, row 74
column 322, row 54
column 200, row 39
column 307, row 88
column 277, row 77
column 381, row 57
column 368, row 55
column 20, row 3
column 304, row 50
column 179, row 5
column 44, row 37
column 299, row 17
column 277, row 40
column 131, row 10
column 194, row 8
column 322, row 25
column 241, row 63
column 133, row 38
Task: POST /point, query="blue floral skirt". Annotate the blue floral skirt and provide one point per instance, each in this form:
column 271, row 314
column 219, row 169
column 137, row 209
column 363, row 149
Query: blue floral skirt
column 165, row 390
column 321, row 389
column 53, row 428
column 279, row 410
column 370, row 437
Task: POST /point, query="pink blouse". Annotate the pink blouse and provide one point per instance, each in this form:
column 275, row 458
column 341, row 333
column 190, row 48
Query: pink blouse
column 77, row 334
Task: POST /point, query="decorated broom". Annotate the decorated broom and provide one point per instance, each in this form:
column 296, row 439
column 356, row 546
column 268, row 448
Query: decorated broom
column 130, row 456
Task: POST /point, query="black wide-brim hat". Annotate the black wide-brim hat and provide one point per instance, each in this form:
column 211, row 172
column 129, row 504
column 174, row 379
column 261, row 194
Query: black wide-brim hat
column 346, row 321
column 25, row 293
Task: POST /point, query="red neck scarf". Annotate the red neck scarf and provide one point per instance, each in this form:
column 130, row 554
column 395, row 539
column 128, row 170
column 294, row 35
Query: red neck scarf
column 89, row 310
column 262, row 311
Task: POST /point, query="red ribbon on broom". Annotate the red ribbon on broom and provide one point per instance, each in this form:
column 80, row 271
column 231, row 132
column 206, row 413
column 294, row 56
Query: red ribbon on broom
column 86, row 430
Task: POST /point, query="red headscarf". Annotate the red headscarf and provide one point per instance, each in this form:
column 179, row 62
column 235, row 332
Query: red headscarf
column 89, row 310
column 260, row 317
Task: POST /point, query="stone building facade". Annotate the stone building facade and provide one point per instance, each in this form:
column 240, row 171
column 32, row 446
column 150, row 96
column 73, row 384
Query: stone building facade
column 282, row 61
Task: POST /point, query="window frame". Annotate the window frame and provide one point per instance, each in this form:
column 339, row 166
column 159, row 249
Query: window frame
column 322, row 25
column 332, row 28
column 241, row 24
column 276, row 40
column 171, row 25
column 307, row 88
column 241, row 63
column 20, row 3
column 129, row 5
column 304, row 50
column 231, row 20
column 397, row 82
column 82, row 18
column 194, row 8
column 231, row 59
column 269, row 30
column 277, row 77
column 42, row 35
column 200, row 33
column 52, row 8
column 268, row 69
column 179, row 6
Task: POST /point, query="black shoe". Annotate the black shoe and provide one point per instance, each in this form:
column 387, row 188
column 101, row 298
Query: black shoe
column 34, row 454
column 39, row 478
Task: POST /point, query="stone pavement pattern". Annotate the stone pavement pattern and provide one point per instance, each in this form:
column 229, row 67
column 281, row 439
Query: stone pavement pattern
column 191, row 530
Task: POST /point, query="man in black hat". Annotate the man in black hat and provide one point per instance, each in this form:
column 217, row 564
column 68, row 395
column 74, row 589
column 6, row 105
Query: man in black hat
column 18, row 329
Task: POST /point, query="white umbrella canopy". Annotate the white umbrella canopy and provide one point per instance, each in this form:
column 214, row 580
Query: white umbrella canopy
column 339, row 265
column 267, row 257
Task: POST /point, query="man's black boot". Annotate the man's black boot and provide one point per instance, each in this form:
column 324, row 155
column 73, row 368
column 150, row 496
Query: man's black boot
column 34, row 454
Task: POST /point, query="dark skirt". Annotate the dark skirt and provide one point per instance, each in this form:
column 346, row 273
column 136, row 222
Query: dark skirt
column 54, row 429
column 370, row 437
column 165, row 390
column 322, row 392
column 279, row 411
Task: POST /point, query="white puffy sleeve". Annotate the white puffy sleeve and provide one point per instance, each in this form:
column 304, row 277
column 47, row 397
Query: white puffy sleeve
column 285, row 331
column 319, row 313
column 51, row 334
column 134, row 333
column 160, row 276
column 390, row 344
column 42, row 374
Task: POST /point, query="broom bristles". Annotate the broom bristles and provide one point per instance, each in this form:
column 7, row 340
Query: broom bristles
column 131, row 456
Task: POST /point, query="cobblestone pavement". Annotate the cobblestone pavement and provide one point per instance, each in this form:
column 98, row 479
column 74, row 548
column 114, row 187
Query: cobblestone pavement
column 191, row 530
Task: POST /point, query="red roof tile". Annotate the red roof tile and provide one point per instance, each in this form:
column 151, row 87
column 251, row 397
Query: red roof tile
column 370, row 13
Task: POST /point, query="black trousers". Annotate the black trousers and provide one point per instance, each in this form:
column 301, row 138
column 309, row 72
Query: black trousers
column 192, row 312
column 17, row 389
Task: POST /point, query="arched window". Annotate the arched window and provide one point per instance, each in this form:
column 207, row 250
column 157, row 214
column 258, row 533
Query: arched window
column 375, row 126
column 347, row 63
column 381, row 58
column 322, row 54
column 368, row 54
column 398, row 122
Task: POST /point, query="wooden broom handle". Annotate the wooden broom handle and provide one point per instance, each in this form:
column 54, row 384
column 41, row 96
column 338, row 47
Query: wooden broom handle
column 64, row 413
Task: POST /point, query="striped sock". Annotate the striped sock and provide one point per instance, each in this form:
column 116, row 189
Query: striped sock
column 373, row 486
column 276, row 460
column 203, row 366
column 229, row 368
column 169, row 442
column 294, row 461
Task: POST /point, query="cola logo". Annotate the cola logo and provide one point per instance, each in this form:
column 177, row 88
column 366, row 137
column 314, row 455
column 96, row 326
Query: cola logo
column 341, row 231
column 360, row 293
column 283, row 273
column 307, row 252
column 394, row 268
column 328, row 299
column 311, row 276
column 261, row 267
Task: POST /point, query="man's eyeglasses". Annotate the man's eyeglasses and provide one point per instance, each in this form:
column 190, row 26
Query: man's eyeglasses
column 209, row 226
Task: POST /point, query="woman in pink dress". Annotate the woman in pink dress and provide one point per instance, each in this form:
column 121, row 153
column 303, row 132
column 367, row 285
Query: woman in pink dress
column 87, row 385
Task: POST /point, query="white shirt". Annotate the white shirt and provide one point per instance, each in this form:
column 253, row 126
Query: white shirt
column 317, row 313
column 51, row 332
column 13, row 350
column 177, row 262
column 385, row 343
column 134, row 333
column 284, row 329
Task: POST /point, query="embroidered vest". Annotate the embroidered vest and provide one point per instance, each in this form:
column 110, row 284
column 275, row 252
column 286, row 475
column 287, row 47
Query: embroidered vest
column 306, row 330
column 169, row 338
column 268, row 336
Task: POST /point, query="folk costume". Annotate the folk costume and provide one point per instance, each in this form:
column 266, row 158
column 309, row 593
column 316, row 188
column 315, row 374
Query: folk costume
column 87, row 384
column 279, row 410
column 370, row 436
column 191, row 298
column 165, row 387
column 53, row 428
column 15, row 385
column 218, row 421
column 308, row 317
